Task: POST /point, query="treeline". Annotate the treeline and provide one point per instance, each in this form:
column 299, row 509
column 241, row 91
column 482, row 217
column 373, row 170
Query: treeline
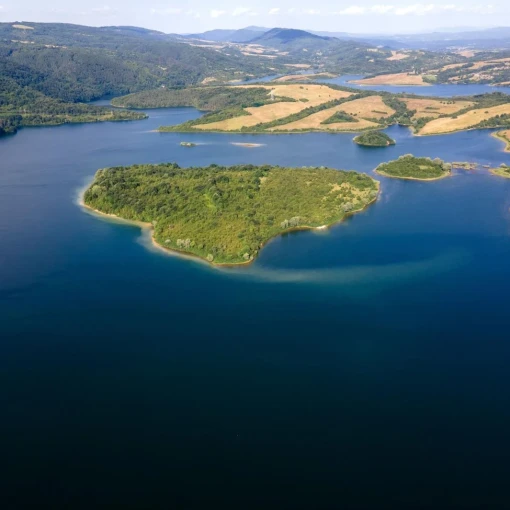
column 210, row 99
column 339, row 117
column 22, row 106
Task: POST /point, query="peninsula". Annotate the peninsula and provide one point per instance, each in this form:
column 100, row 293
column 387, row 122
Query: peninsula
column 504, row 136
column 299, row 108
column 418, row 169
column 225, row 215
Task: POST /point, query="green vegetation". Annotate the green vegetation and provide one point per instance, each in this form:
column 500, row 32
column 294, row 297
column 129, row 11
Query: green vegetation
column 210, row 99
column 410, row 167
column 374, row 139
column 502, row 171
column 24, row 107
column 340, row 117
column 226, row 214
column 502, row 120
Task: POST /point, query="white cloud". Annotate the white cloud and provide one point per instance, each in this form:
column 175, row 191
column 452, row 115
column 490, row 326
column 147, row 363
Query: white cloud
column 216, row 13
column 415, row 9
column 104, row 8
column 241, row 11
column 168, row 11
column 354, row 9
column 312, row 12
column 382, row 9
column 274, row 11
column 193, row 13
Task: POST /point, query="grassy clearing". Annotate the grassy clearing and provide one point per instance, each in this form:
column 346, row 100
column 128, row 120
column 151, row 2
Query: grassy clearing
column 395, row 55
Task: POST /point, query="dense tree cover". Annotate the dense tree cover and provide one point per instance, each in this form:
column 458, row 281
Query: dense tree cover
column 77, row 63
column 226, row 214
column 374, row 139
column 411, row 167
column 23, row 106
column 340, row 117
column 211, row 99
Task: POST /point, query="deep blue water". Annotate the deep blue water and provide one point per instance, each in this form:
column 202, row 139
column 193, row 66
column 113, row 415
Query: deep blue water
column 364, row 367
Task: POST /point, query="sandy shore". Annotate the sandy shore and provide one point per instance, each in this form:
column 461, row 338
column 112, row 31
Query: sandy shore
column 502, row 138
column 449, row 174
column 249, row 145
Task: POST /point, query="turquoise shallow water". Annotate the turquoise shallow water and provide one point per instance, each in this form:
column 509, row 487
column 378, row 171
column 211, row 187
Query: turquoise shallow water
column 346, row 368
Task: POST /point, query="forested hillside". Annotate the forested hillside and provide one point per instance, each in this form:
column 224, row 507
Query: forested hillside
column 49, row 70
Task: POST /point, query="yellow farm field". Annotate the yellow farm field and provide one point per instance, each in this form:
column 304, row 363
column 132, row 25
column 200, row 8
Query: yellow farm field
column 464, row 121
column 303, row 77
column 316, row 95
column 315, row 120
column 434, row 108
column 393, row 79
column 372, row 107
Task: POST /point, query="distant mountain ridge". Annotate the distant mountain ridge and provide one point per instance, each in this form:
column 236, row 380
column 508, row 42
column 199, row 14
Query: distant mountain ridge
column 287, row 35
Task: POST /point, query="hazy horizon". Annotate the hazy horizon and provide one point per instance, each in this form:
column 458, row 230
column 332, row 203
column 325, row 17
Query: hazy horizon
column 365, row 16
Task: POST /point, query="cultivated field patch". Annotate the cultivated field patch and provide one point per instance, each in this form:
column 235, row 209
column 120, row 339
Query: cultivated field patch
column 464, row 121
column 434, row 107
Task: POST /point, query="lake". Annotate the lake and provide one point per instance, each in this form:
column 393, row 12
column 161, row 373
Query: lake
column 434, row 90
column 431, row 90
column 363, row 364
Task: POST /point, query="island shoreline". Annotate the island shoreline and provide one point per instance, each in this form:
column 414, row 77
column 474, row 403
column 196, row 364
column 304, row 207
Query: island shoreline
column 149, row 228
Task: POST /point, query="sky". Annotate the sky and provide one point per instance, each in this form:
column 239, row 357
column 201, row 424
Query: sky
column 190, row 16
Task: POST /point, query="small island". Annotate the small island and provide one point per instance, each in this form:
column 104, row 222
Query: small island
column 225, row 215
column 413, row 168
column 502, row 171
column 188, row 144
column 374, row 139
